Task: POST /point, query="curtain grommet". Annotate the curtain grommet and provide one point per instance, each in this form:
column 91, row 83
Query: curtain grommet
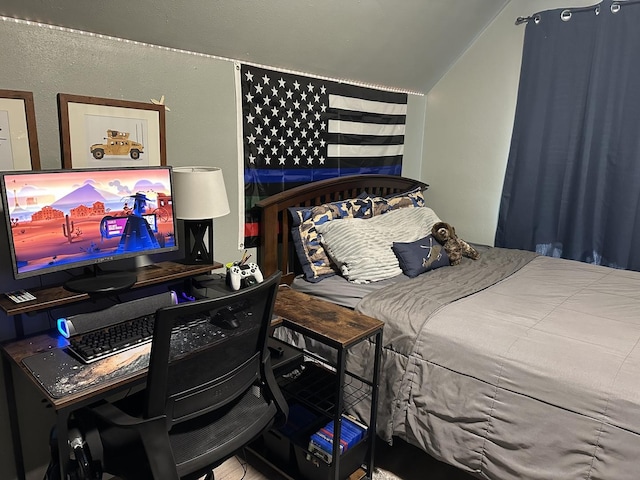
column 565, row 15
column 615, row 7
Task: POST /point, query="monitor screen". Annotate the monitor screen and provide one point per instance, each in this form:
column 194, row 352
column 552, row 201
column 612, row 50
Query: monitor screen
column 62, row 219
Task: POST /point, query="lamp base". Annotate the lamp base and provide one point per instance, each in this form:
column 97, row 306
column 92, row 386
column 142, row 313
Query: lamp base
column 198, row 238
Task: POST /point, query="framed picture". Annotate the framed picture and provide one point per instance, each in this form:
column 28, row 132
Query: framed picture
column 18, row 135
column 101, row 132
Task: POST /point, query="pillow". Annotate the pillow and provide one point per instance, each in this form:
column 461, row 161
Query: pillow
column 413, row 198
column 361, row 247
column 315, row 263
column 420, row 256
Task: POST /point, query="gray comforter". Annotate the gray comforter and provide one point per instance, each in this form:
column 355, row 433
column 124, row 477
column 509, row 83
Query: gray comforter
column 514, row 366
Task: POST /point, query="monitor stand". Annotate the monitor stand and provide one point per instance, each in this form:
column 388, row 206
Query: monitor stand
column 96, row 281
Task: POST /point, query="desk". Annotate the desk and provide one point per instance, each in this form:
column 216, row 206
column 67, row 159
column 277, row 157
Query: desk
column 14, row 352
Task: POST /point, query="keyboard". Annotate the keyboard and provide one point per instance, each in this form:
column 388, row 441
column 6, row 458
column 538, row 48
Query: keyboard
column 97, row 344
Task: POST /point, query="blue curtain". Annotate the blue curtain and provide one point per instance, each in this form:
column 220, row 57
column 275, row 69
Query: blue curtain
column 572, row 184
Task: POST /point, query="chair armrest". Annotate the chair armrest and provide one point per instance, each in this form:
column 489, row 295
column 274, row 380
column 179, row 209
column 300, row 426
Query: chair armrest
column 153, row 434
column 115, row 416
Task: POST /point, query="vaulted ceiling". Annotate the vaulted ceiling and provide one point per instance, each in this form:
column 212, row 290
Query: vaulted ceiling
column 408, row 44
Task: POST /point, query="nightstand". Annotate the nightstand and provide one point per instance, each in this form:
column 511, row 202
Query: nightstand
column 321, row 386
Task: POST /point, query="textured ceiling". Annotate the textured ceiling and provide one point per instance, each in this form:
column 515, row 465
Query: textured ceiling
column 407, row 44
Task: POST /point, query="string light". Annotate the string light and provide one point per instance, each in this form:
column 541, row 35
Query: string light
column 202, row 55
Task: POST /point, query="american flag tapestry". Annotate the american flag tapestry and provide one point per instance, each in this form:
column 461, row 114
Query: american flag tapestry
column 298, row 129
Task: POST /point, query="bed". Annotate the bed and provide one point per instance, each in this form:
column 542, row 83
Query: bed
column 511, row 366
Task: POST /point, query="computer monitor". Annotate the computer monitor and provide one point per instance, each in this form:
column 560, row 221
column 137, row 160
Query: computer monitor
column 63, row 219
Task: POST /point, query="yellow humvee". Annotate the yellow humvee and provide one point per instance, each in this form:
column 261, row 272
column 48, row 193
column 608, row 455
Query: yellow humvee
column 117, row 143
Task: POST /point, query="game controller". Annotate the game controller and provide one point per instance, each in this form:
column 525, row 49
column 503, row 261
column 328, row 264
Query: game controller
column 244, row 275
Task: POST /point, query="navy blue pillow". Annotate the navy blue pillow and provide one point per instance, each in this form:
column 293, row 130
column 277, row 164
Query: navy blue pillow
column 420, row 256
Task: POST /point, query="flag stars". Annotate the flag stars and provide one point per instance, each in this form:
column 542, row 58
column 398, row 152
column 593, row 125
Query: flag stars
column 267, row 160
column 260, row 149
column 252, row 159
column 289, row 132
column 250, row 118
column 274, row 131
column 266, row 100
column 283, row 122
column 249, row 97
column 249, row 76
column 296, row 105
column 274, row 91
column 310, row 87
column 303, row 96
column 323, row 90
column 251, row 139
column 281, row 160
column 289, row 150
column 282, row 83
column 258, row 130
column 282, row 142
column 296, row 160
column 266, row 79
column 259, row 89
column 283, row 103
column 258, row 109
column 274, row 111
column 296, row 85
column 289, row 94
column 309, row 161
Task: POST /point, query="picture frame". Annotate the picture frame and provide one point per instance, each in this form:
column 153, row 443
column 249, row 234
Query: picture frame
column 18, row 133
column 101, row 132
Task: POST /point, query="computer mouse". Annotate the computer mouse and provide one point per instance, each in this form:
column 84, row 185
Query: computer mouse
column 226, row 318
column 230, row 322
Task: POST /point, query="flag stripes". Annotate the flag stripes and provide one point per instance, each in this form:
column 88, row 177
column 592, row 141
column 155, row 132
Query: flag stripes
column 298, row 129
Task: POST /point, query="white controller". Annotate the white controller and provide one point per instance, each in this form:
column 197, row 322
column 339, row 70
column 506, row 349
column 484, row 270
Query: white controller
column 246, row 273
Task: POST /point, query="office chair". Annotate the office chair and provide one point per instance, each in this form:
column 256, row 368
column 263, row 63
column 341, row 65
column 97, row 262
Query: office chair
column 199, row 407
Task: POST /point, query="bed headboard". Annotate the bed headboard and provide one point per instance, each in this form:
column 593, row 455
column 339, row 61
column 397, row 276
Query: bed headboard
column 276, row 251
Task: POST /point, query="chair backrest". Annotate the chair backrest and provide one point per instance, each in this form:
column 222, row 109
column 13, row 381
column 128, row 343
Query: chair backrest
column 209, row 365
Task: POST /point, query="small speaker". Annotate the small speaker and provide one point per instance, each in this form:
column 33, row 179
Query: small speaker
column 85, row 322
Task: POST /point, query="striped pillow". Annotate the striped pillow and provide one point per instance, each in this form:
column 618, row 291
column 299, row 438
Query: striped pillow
column 362, row 247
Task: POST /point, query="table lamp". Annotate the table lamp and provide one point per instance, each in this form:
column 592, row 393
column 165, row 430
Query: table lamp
column 199, row 196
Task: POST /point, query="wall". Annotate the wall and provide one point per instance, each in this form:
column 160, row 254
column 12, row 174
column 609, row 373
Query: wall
column 469, row 118
column 201, row 130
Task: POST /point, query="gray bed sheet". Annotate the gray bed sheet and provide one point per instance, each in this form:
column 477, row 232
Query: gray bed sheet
column 533, row 376
column 338, row 290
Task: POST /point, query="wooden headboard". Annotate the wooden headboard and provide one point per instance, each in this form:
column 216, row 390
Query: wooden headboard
column 276, row 250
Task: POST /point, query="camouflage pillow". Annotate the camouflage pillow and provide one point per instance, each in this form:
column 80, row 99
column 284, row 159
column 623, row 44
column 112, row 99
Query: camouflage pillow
column 313, row 258
column 412, row 199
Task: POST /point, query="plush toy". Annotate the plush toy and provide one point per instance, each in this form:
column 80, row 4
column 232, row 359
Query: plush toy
column 455, row 247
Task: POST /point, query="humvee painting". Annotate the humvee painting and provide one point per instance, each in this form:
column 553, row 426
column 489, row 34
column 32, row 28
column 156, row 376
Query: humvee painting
column 117, row 143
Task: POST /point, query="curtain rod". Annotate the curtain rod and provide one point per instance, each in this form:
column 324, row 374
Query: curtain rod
column 565, row 14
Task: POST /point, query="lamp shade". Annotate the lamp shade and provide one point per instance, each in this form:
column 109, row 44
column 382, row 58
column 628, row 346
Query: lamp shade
column 199, row 193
